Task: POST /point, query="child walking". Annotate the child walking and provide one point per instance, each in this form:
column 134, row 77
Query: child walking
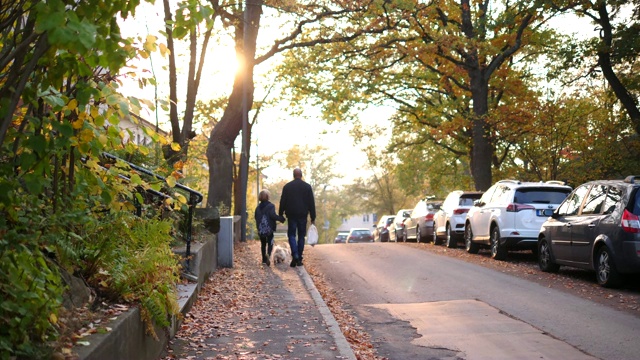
column 266, row 217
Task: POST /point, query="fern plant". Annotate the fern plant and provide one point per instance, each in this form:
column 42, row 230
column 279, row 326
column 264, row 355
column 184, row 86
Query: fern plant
column 140, row 267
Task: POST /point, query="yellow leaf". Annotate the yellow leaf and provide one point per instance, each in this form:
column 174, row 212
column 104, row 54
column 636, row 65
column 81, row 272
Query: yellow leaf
column 150, row 44
column 175, row 146
column 77, row 124
column 163, row 49
column 73, row 104
column 179, row 165
column 181, row 198
column 86, row 135
column 92, row 164
column 94, row 112
column 171, row 181
column 53, row 318
column 103, row 139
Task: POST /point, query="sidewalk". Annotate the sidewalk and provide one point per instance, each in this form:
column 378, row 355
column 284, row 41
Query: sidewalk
column 257, row 312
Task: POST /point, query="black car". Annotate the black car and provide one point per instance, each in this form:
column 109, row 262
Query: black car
column 359, row 235
column 597, row 227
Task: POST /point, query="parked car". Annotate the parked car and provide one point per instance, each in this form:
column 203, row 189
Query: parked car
column 341, row 238
column 419, row 226
column 358, row 235
column 509, row 216
column 381, row 230
column 396, row 229
column 596, row 228
column 449, row 219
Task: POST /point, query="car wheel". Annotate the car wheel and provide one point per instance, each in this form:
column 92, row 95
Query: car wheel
column 451, row 242
column 436, row 241
column 545, row 262
column 606, row 271
column 498, row 252
column 469, row 245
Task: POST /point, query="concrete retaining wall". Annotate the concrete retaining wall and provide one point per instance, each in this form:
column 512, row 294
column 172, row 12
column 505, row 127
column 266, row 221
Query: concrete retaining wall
column 127, row 339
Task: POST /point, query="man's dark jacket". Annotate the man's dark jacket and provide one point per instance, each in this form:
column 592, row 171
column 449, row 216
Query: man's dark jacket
column 297, row 200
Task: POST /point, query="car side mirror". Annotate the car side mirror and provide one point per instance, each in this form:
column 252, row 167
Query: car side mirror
column 478, row 203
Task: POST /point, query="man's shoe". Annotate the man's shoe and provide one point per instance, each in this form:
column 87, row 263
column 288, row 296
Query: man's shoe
column 294, row 262
column 267, row 260
column 299, row 262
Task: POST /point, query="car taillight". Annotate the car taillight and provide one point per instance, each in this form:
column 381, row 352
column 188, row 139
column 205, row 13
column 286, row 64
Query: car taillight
column 460, row 211
column 429, row 217
column 513, row 207
column 630, row 222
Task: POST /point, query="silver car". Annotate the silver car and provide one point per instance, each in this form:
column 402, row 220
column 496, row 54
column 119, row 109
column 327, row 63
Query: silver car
column 420, row 225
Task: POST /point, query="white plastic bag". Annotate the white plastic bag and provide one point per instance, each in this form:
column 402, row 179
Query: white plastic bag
column 312, row 235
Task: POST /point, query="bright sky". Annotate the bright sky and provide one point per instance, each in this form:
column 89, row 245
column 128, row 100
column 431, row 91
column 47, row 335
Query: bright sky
column 276, row 130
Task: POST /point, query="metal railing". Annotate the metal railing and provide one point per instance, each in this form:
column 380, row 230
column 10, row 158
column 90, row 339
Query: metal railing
column 194, row 198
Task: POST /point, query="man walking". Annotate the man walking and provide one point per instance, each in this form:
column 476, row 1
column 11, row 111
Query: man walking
column 296, row 202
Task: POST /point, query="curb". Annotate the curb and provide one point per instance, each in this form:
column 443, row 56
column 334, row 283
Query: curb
column 341, row 342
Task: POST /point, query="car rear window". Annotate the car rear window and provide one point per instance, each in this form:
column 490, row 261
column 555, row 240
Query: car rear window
column 635, row 197
column 467, row 200
column 540, row 196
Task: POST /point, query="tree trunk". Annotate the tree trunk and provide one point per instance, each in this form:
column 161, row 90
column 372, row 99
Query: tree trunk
column 482, row 150
column 226, row 131
column 604, row 61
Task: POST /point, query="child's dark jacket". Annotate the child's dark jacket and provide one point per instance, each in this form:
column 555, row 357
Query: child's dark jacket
column 266, row 207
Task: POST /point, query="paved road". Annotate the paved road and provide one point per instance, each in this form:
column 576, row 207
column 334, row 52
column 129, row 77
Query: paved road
column 416, row 304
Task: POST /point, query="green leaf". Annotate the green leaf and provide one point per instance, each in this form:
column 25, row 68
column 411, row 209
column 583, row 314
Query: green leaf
column 38, row 143
column 135, row 179
column 33, row 182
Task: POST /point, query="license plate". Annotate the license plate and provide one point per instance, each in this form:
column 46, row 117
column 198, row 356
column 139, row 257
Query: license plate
column 540, row 212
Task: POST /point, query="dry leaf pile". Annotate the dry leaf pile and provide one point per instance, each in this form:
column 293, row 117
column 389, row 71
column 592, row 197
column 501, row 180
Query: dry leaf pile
column 74, row 326
column 239, row 315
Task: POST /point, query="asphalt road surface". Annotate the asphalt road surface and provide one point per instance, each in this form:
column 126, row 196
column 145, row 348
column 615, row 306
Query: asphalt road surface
column 419, row 305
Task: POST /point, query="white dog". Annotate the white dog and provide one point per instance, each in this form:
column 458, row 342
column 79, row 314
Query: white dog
column 280, row 254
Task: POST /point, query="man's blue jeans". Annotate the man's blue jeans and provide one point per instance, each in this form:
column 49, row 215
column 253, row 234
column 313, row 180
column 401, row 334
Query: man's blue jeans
column 296, row 226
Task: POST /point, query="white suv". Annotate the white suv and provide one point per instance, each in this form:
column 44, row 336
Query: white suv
column 450, row 219
column 509, row 216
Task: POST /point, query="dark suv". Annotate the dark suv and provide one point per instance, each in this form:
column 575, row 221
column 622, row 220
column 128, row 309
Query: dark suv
column 595, row 228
